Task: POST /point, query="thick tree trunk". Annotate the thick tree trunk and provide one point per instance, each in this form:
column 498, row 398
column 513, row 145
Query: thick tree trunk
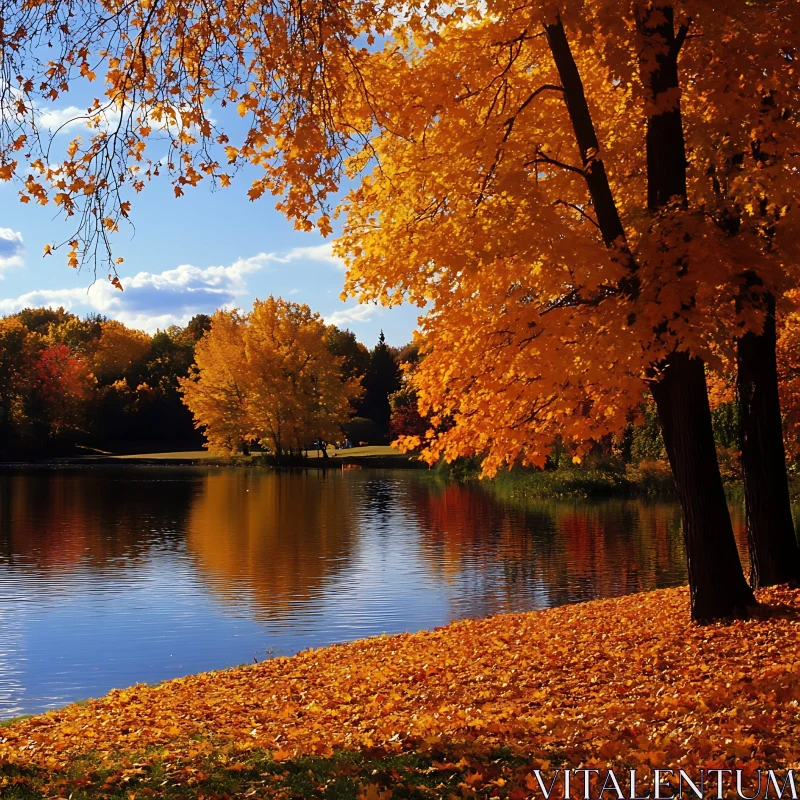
column 716, row 581
column 717, row 584
column 771, row 538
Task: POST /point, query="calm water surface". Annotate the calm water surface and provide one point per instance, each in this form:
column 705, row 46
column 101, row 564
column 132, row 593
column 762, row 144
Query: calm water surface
column 110, row 577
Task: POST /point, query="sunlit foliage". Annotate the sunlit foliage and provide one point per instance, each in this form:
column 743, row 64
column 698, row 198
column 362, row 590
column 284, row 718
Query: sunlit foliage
column 469, row 193
column 91, row 383
column 268, row 377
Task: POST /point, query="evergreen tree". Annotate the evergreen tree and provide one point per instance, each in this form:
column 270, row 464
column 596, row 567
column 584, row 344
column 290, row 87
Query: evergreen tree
column 382, row 379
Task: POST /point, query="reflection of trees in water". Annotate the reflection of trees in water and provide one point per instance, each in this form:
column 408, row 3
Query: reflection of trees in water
column 515, row 554
column 379, row 498
column 100, row 520
column 268, row 541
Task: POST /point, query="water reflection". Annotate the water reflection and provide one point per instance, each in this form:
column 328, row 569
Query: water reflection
column 535, row 554
column 58, row 522
column 267, row 546
column 114, row 576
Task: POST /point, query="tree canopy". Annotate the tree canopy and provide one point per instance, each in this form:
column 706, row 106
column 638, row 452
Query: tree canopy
column 268, row 377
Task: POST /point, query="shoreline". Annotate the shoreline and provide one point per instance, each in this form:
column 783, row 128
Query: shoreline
column 615, row 683
column 377, row 457
column 561, row 483
column 603, row 482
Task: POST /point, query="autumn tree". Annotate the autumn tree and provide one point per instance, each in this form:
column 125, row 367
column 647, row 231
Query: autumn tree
column 299, row 394
column 217, row 389
column 355, row 363
column 118, row 349
column 63, row 385
column 788, row 363
column 268, row 376
column 16, row 360
column 68, row 380
column 406, row 421
column 772, row 541
column 355, row 356
column 518, row 354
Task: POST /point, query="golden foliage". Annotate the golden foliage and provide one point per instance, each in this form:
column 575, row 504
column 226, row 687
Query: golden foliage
column 248, row 537
column 118, row 348
column 479, row 207
column 469, row 192
column 622, row 683
column 216, row 390
column 268, row 376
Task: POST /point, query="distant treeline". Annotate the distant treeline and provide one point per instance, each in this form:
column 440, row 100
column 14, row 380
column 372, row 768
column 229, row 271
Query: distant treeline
column 72, row 384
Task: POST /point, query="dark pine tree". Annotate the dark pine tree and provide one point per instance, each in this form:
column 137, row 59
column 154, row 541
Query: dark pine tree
column 381, row 380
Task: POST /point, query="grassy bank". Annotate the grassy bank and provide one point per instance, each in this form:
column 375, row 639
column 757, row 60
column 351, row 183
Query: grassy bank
column 602, row 480
column 470, row 709
column 647, row 478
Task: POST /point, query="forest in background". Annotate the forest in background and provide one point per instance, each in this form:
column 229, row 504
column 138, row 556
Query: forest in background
column 71, row 384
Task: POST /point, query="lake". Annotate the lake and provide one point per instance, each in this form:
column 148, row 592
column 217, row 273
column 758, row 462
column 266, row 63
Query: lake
column 114, row 576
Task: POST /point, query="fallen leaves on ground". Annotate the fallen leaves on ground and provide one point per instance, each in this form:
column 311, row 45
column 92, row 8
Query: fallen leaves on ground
column 622, row 683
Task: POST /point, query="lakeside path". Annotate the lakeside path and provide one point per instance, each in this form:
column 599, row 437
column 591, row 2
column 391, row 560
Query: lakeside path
column 470, row 709
column 370, row 456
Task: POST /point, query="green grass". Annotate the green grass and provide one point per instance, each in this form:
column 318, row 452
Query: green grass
column 567, row 481
column 347, row 775
column 7, row 723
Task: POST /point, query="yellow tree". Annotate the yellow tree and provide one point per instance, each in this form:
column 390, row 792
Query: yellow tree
column 270, row 377
column 218, row 386
column 17, row 357
column 117, row 350
column 579, row 287
column 299, row 393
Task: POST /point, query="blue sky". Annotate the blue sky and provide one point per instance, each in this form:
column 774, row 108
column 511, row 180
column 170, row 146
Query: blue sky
column 186, row 255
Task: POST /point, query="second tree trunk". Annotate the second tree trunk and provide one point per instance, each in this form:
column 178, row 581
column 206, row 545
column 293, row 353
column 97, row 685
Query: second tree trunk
column 771, row 538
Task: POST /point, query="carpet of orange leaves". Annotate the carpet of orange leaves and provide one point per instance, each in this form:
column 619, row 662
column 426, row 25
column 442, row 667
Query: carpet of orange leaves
column 628, row 681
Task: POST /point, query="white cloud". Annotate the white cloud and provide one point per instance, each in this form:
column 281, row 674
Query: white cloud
column 360, row 313
column 63, row 120
column 153, row 300
column 50, row 298
column 11, row 249
column 320, row 252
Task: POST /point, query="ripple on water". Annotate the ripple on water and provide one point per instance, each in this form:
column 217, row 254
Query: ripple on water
column 118, row 576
